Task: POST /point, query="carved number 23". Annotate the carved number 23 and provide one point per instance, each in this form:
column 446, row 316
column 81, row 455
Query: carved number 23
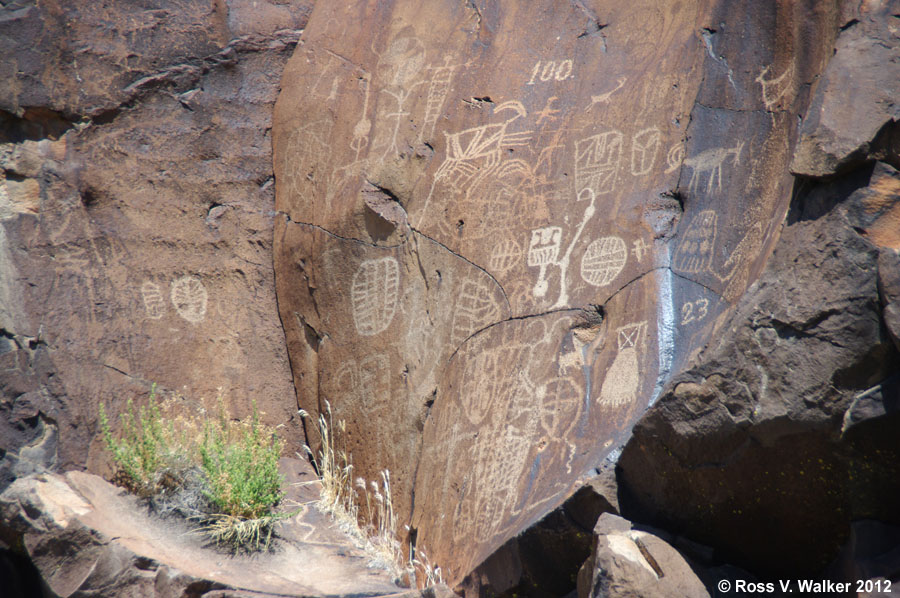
column 687, row 311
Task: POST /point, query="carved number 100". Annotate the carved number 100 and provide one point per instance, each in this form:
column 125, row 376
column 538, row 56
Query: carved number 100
column 551, row 69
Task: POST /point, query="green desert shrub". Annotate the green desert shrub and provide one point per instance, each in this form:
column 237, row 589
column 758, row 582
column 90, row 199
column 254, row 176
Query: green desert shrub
column 241, row 465
column 233, row 464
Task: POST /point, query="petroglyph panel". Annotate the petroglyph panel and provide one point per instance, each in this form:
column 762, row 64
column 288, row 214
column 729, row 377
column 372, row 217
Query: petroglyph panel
column 374, row 293
column 189, row 298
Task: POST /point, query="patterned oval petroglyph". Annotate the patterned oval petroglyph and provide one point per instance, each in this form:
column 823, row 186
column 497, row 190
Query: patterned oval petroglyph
column 603, row 260
column 373, row 294
column 621, row 384
column 189, row 298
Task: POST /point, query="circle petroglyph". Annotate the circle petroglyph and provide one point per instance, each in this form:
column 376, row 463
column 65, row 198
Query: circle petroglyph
column 603, row 260
column 189, row 298
column 373, row 294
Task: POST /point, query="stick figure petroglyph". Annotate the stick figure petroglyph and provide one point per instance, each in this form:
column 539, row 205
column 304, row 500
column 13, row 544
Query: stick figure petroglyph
column 189, row 297
column 373, row 293
column 710, row 162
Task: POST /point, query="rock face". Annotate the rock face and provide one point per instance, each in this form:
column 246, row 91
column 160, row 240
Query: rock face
column 504, row 226
column 783, row 431
column 136, row 216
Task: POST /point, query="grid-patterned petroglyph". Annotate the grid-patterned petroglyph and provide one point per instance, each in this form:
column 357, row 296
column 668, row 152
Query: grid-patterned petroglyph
column 189, row 297
column 476, row 308
column 154, row 302
column 710, row 163
column 695, row 253
column 603, row 260
column 543, row 251
column 504, row 255
column 438, row 89
column 373, row 293
column 644, row 147
column 597, row 161
column 620, row 386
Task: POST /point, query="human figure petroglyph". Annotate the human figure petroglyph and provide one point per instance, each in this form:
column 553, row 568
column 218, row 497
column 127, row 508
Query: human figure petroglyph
column 475, row 154
column 398, row 71
column 644, row 147
column 695, row 252
column 548, row 112
column 189, row 297
column 620, row 386
column 603, row 260
column 364, row 125
column 597, row 161
column 603, row 98
column 154, row 303
column 710, row 162
column 373, row 293
column 639, row 248
column 774, row 89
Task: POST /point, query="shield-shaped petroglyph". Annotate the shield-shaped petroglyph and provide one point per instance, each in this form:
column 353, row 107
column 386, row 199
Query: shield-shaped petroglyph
column 603, row 260
column 373, row 294
column 189, row 298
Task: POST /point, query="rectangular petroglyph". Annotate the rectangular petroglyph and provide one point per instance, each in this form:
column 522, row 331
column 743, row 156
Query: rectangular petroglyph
column 597, row 161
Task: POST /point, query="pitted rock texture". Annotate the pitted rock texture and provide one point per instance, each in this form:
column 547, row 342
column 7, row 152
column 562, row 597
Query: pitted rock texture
column 505, row 225
column 136, row 214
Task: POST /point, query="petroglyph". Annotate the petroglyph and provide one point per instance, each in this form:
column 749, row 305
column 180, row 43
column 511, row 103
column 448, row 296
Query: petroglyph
column 504, row 255
column 644, row 147
column 710, row 163
column 305, row 147
column 438, row 88
column 603, row 260
column 543, row 251
column 603, row 98
column 692, row 311
column 548, row 70
column 154, row 302
column 620, row 386
column 477, row 153
column 475, row 309
column 597, row 161
column 397, row 69
column 373, row 294
column 364, row 125
column 674, row 158
column 189, row 297
column 774, row 89
column 549, row 112
column 695, row 253
column 639, row 247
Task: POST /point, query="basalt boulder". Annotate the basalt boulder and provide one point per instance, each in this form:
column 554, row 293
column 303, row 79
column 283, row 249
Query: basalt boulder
column 503, row 227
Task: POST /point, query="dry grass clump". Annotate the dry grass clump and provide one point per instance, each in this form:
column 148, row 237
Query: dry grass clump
column 375, row 529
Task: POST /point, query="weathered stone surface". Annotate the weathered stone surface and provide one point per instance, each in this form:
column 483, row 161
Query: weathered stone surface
column 784, row 429
column 631, row 562
column 135, row 247
column 854, row 112
column 467, row 188
column 87, row 537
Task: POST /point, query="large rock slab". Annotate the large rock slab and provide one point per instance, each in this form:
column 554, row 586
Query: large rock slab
column 783, row 431
column 135, row 247
column 505, row 225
